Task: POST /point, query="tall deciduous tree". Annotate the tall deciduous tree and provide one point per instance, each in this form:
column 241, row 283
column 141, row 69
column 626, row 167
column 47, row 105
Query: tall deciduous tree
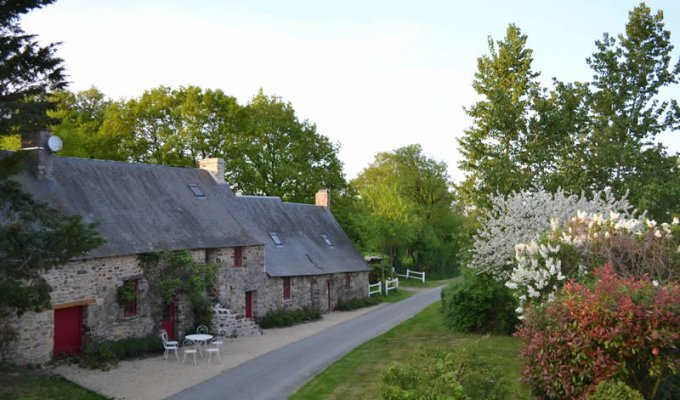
column 267, row 150
column 582, row 137
column 277, row 155
column 407, row 204
column 493, row 147
column 627, row 114
column 80, row 119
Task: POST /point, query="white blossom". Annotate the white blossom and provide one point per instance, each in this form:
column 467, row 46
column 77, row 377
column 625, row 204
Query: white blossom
column 525, row 216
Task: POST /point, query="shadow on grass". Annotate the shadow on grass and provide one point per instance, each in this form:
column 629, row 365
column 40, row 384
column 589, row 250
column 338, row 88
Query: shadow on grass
column 26, row 383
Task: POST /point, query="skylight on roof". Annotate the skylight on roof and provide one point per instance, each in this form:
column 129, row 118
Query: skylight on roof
column 196, row 190
column 275, row 238
column 327, row 240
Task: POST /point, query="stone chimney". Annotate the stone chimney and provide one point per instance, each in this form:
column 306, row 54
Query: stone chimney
column 38, row 155
column 215, row 166
column 323, row 198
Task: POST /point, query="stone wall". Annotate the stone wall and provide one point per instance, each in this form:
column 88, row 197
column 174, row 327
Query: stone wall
column 306, row 291
column 230, row 324
column 93, row 285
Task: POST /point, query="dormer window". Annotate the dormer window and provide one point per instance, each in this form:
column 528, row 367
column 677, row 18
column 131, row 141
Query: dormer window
column 275, row 238
column 327, row 240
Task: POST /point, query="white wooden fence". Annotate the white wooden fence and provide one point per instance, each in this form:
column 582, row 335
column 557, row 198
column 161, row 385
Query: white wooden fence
column 391, row 284
column 372, row 291
column 414, row 275
column 376, row 288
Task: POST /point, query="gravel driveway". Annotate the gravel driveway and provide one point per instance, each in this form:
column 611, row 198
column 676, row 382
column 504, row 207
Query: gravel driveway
column 154, row 378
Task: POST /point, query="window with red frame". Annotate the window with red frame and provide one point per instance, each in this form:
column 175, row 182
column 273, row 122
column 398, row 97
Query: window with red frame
column 348, row 282
column 130, row 309
column 286, row 288
column 238, row 257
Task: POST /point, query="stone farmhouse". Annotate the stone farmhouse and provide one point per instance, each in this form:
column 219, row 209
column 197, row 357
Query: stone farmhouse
column 271, row 254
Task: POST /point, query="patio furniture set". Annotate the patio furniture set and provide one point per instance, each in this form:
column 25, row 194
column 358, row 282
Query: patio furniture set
column 196, row 345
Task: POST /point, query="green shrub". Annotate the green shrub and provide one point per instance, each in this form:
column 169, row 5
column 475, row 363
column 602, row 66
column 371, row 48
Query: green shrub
column 615, row 390
column 670, row 388
column 353, row 304
column 282, row 318
column 479, row 304
column 97, row 356
column 456, row 375
column 135, row 347
column 105, row 355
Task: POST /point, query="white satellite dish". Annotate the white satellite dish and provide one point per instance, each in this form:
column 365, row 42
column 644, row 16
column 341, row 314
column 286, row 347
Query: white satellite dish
column 54, row 143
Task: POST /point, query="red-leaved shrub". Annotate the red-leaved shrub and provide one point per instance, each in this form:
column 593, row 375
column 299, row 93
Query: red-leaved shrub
column 623, row 328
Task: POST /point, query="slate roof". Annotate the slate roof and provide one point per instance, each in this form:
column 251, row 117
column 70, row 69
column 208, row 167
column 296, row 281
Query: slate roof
column 300, row 228
column 142, row 207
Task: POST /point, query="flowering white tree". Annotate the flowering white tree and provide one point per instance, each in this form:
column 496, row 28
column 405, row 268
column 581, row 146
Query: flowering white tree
column 526, row 216
column 632, row 246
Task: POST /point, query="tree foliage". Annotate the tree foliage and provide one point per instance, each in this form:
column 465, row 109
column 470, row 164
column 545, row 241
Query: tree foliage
column 405, row 211
column 266, row 148
column 28, row 71
column 494, row 147
column 577, row 136
column 33, row 236
column 278, row 155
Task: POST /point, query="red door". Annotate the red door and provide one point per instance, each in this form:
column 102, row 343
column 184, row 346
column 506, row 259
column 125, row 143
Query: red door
column 168, row 322
column 68, row 330
column 249, row 304
column 329, row 284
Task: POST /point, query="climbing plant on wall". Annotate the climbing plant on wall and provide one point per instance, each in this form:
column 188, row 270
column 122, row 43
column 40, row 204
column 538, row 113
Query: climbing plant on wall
column 171, row 273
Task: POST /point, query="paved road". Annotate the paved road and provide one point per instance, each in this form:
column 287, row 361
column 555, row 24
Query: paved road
column 279, row 373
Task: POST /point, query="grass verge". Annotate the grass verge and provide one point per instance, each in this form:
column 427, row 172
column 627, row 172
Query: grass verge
column 357, row 375
column 22, row 383
column 414, row 283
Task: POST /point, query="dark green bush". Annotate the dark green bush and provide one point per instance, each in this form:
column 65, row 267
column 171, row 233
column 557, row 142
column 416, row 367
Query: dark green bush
column 135, row 347
column 282, row 318
column 615, row 390
column 105, row 355
column 456, row 375
column 97, row 356
column 353, row 304
column 479, row 304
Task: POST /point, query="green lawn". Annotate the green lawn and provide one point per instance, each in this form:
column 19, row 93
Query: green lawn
column 428, row 284
column 394, row 296
column 357, row 375
column 21, row 383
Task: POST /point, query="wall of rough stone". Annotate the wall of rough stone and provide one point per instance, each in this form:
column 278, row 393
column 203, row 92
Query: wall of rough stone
column 231, row 324
column 94, row 283
column 234, row 282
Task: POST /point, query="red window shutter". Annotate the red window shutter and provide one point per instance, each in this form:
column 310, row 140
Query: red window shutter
column 238, row 257
column 286, row 288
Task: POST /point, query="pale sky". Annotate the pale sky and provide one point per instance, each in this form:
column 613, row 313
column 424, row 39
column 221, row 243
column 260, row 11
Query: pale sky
column 372, row 75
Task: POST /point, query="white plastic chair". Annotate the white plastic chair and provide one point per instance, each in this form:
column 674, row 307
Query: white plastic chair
column 188, row 347
column 168, row 347
column 202, row 329
column 214, row 349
